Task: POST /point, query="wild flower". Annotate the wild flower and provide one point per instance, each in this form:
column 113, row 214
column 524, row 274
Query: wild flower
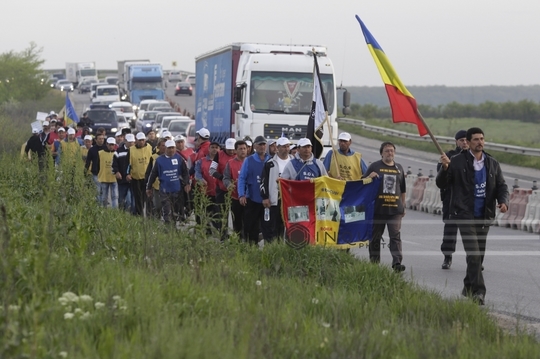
column 99, row 305
column 385, row 332
column 68, row 316
column 14, row 308
column 116, row 298
column 63, row 301
column 85, row 298
column 315, row 301
column 62, row 354
column 258, row 283
column 71, row 297
column 326, row 325
column 85, row 316
column 78, row 310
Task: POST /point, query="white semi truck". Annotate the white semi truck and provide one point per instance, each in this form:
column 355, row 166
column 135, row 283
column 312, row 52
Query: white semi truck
column 77, row 72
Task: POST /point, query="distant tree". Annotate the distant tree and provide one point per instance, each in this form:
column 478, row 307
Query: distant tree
column 21, row 76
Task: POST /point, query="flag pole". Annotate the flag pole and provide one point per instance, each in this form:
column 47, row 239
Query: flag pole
column 435, row 142
column 334, row 155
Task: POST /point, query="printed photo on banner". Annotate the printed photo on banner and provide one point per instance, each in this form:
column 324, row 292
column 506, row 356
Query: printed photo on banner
column 298, row 214
column 327, row 209
column 354, row 213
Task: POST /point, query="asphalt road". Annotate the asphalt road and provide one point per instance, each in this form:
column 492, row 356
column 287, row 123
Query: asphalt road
column 512, row 259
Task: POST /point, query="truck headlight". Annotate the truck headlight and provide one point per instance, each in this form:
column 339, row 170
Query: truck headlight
column 114, row 129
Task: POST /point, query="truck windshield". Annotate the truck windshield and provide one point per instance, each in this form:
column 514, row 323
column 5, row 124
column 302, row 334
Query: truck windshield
column 146, row 86
column 88, row 72
column 107, row 92
column 287, row 92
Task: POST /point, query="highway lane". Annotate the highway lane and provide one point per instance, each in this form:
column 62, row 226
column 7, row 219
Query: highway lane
column 512, row 256
column 184, row 101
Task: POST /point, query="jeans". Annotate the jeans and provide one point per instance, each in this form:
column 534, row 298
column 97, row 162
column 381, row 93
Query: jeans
column 124, row 196
column 393, row 222
column 113, row 187
column 98, row 187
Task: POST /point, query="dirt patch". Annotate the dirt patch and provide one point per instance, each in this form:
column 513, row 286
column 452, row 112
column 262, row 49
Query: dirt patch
column 513, row 325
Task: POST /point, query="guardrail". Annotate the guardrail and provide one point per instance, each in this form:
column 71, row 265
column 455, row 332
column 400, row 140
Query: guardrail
column 441, row 139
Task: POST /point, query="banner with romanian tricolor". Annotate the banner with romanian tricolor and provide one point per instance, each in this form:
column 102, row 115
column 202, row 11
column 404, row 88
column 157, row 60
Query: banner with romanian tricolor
column 328, row 212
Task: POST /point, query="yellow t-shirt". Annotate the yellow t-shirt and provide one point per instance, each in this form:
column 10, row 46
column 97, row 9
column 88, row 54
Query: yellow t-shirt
column 106, row 174
column 155, row 185
column 138, row 160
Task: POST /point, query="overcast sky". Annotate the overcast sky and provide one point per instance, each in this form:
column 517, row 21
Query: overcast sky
column 429, row 42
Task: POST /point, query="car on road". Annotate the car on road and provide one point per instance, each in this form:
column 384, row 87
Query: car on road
column 165, row 122
column 122, row 122
column 159, row 118
column 64, row 85
column 93, row 88
column 126, row 109
column 175, row 76
column 106, row 94
column 190, row 79
column 183, row 88
column 102, row 117
column 179, row 125
column 111, row 80
column 85, row 86
column 146, row 122
column 158, row 103
column 190, row 135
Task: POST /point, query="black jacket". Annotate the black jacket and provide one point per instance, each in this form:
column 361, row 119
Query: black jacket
column 445, row 192
column 36, row 145
column 121, row 162
column 93, row 158
column 459, row 177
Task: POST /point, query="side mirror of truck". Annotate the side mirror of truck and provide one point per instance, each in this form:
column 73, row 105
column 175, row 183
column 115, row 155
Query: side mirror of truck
column 236, row 106
column 346, row 103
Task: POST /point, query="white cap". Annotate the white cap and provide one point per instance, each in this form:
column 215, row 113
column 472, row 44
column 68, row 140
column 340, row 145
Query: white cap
column 179, row 138
column 130, row 137
column 204, row 133
column 166, row 134
column 344, row 136
column 35, row 130
column 61, row 129
column 111, row 140
column 282, row 141
column 170, row 143
column 71, row 131
column 141, row 136
column 304, row 142
column 46, row 123
column 118, row 133
column 229, row 144
column 271, row 141
column 88, row 137
column 249, row 143
column 52, row 113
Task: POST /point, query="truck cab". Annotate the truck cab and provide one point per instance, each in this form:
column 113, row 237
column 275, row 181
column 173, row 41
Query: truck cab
column 106, row 94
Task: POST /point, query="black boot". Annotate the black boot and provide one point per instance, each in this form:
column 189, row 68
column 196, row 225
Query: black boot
column 447, row 262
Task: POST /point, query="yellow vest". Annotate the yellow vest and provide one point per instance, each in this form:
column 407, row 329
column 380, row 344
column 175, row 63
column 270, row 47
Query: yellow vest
column 155, row 185
column 106, row 174
column 349, row 166
column 138, row 160
column 70, row 152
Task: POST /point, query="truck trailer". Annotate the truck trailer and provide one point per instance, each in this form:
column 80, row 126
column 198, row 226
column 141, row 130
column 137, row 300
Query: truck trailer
column 251, row 89
column 140, row 80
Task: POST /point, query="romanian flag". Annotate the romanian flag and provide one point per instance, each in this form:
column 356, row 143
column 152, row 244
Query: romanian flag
column 402, row 102
column 328, row 212
column 70, row 114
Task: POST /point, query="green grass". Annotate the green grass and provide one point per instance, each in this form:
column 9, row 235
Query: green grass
column 171, row 294
column 495, row 131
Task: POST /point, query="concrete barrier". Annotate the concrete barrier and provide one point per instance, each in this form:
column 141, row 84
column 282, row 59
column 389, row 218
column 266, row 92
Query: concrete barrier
column 418, row 192
column 521, row 206
column 502, row 218
column 531, row 211
column 409, row 184
column 431, row 193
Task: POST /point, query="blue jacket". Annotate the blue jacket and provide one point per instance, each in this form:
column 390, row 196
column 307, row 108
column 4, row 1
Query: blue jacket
column 249, row 181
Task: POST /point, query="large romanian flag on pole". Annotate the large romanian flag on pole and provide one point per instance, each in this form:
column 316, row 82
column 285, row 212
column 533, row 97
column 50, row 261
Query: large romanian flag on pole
column 328, row 212
column 402, row 102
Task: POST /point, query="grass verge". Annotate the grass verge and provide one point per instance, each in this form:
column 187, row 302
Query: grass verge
column 81, row 281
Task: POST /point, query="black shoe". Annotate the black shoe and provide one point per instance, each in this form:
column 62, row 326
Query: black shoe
column 447, row 262
column 478, row 298
column 398, row 268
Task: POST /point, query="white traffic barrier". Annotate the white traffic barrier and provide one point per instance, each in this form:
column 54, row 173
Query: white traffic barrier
column 534, row 225
column 530, row 211
column 435, row 199
column 409, row 184
column 427, row 199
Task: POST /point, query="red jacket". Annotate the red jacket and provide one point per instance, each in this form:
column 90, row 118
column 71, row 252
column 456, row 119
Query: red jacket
column 210, row 181
column 235, row 165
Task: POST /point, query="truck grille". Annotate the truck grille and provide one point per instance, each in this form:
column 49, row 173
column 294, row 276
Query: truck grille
column 293, row 133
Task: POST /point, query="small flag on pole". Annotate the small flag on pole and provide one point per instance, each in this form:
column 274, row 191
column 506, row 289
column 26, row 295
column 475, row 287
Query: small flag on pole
column 402, row 102
column 70, row 114
column 319, row 112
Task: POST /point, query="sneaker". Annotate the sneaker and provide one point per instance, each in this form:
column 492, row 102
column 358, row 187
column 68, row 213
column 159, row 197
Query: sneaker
column 447, row 262
column 398, row 267
column 478, row 298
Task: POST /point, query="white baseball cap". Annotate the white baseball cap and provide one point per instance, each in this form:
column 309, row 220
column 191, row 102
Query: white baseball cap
column 179, row 138
column 88, row 137
column 170, row 143
column 249, row 143
column 71, row 131
column 304, row 142
column 141, row 136
column 344, row 136
column 111, row 141
column 118, row 133
column 35, row 130
column 166, row 134
column 282, row 141
column 204, row 133
column 229, row 144
column 271, row 141
column 130, row 137
column 61, row 129
column 46, row 123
